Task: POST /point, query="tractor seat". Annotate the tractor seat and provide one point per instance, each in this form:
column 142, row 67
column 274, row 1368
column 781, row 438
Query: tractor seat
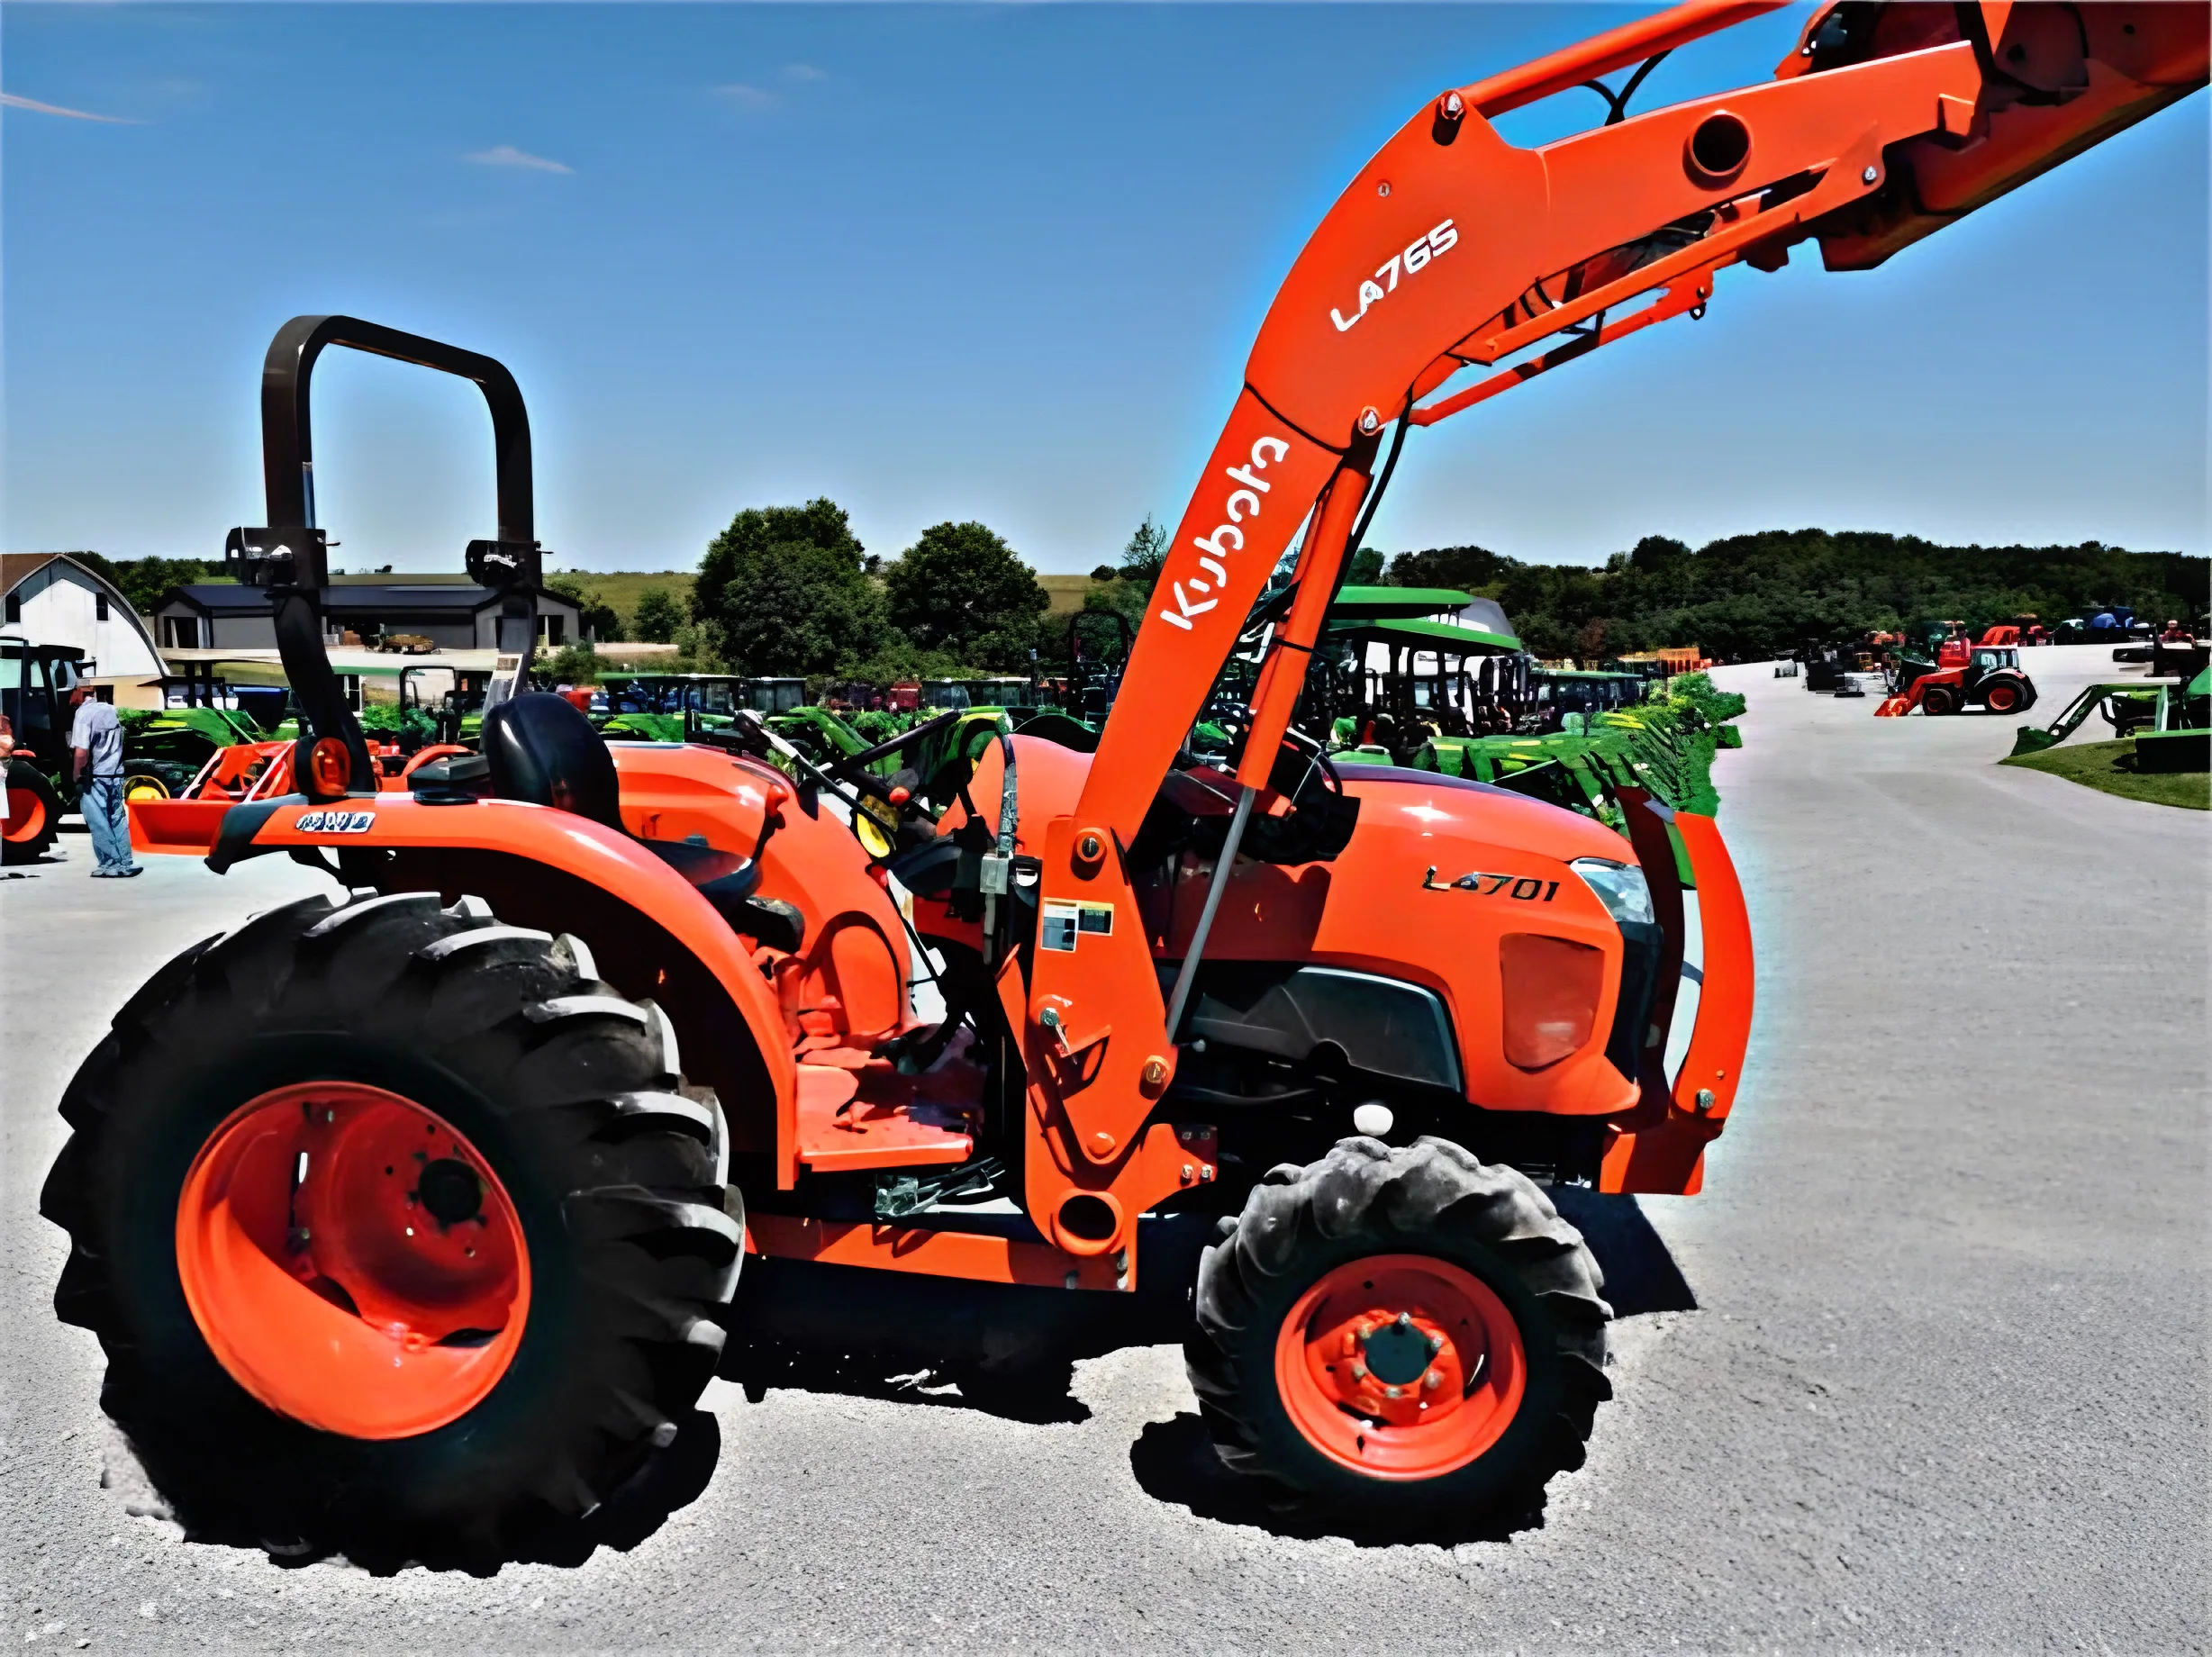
column 541, row 751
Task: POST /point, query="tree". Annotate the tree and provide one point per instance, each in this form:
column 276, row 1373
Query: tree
column 146, row 582
column 595, row 618
column 658, row 616
column 1468, row 569
column 1106, row 572
column 961, row 589
column 1366, row 569
column 1656, row 552
column 785, row 592
column 1749, row 596
column 1145, row 556
column 575, row 664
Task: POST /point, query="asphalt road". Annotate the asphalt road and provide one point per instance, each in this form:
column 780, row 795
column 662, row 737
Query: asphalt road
column 1942, row 1386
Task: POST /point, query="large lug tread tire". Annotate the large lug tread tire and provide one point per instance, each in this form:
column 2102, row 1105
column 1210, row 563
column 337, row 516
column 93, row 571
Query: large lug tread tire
column 633, row 1257
column 1432, row 1198
column 34, row 813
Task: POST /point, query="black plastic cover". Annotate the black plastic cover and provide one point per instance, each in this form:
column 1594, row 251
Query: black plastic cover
column 1386, row 1026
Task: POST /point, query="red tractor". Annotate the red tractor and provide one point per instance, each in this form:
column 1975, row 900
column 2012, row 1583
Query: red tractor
column 409, row 1218
column 1985, row 675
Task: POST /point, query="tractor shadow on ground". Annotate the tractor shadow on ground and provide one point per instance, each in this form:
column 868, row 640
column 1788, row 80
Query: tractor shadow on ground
column 666, row 1483
column 946, row 1343
column 670, row 1481
column 1640, row 1273
column 1175, row 1462
column 1010, row 1351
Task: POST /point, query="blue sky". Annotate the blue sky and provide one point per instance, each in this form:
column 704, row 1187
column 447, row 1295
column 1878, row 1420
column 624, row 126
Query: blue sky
column 983, row 262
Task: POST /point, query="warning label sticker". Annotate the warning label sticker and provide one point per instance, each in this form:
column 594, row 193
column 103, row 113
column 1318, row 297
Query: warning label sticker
column 1063, row 923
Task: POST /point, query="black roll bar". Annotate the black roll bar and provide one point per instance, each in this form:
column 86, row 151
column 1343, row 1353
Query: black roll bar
column 289, row 555
column 287, row 440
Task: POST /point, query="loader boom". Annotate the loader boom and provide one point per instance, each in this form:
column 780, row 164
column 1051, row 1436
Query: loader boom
column 1453, row 250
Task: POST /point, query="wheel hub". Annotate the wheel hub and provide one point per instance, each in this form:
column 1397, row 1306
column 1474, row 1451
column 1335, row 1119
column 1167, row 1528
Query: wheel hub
column 450, row 1190
column 1397, row 1352
column 1403, row 1366
column 352, row 1261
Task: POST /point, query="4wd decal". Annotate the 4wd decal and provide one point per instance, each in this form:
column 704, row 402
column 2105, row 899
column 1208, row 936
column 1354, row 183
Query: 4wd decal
column 1243, row 502
column 335, row 822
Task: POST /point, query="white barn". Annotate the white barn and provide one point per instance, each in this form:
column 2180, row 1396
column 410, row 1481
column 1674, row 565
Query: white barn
column 52, row 599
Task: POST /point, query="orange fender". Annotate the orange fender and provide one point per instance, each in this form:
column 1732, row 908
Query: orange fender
column 439, row 844
column 851, row 974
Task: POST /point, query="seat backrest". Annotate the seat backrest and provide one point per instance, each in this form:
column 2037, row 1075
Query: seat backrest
column 542, row 749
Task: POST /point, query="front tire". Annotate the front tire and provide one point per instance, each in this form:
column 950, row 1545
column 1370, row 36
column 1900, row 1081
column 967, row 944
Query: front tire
column 242, row 1192
column 1409, row 1335
column 1938, row 700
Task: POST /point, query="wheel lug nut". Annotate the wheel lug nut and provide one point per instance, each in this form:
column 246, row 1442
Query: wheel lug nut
column 1359, row 1371
column 1433, row 1379
column 1405, row 1320
column 1436, row 1344
column 1393, row 1391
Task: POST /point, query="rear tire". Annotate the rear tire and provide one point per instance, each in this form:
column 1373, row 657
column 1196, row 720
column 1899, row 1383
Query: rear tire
column 34, row 814
column 1432, row 1215
column 567, row 1094
column 2002, row 696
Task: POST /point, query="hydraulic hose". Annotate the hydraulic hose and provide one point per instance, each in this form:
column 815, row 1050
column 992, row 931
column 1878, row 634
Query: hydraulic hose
column 1188, row 974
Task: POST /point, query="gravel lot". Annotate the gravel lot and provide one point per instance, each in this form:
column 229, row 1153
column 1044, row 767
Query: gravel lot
column 1942, row 1386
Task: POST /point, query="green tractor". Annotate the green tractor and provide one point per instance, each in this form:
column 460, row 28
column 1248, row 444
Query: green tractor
column 163, row 749
column 1399, row 684
column 2152, row 709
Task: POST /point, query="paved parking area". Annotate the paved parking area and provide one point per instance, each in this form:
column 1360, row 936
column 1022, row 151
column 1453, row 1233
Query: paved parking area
column 1944, row 1385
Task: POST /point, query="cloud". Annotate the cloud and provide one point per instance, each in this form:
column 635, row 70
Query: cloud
column 507, row 155
column 803, row 72
column 748, row 97
column 10, row 101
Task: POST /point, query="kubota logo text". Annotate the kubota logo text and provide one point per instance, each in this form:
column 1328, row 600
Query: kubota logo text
column 1244, row 502
column 1412, row 259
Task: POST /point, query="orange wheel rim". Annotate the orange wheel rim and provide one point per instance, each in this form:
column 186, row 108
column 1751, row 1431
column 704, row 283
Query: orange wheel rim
column 1401, row 1366
column 352, row 1261
column 26, row 818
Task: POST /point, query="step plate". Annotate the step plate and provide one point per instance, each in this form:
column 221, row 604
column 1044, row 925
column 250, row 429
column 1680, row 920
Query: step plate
column 851, row 1119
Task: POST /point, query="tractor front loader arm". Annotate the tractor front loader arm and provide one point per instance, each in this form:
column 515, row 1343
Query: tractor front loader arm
column 1454, row 248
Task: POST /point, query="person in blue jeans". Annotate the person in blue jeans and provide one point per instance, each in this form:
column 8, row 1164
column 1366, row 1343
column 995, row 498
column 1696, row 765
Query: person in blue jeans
column 96, row 735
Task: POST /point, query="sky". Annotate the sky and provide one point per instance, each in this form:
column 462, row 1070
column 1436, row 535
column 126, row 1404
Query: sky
column 982, row 262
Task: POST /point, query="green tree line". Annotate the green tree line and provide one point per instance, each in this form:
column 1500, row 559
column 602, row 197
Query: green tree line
column 790, row 590
column 1752, row 597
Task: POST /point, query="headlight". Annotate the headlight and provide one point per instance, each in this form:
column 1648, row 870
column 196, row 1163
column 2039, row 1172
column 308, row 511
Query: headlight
column 1619, row 886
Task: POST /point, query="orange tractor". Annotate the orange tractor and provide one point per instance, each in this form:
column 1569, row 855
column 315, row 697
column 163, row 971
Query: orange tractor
column 1985, row 674
column 410, row 1219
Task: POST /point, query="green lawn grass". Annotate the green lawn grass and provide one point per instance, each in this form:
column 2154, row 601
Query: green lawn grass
column 2111, row 767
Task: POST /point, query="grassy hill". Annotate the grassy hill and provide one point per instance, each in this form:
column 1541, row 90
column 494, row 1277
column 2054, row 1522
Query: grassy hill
column 623, row 588
column 1066, row 592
